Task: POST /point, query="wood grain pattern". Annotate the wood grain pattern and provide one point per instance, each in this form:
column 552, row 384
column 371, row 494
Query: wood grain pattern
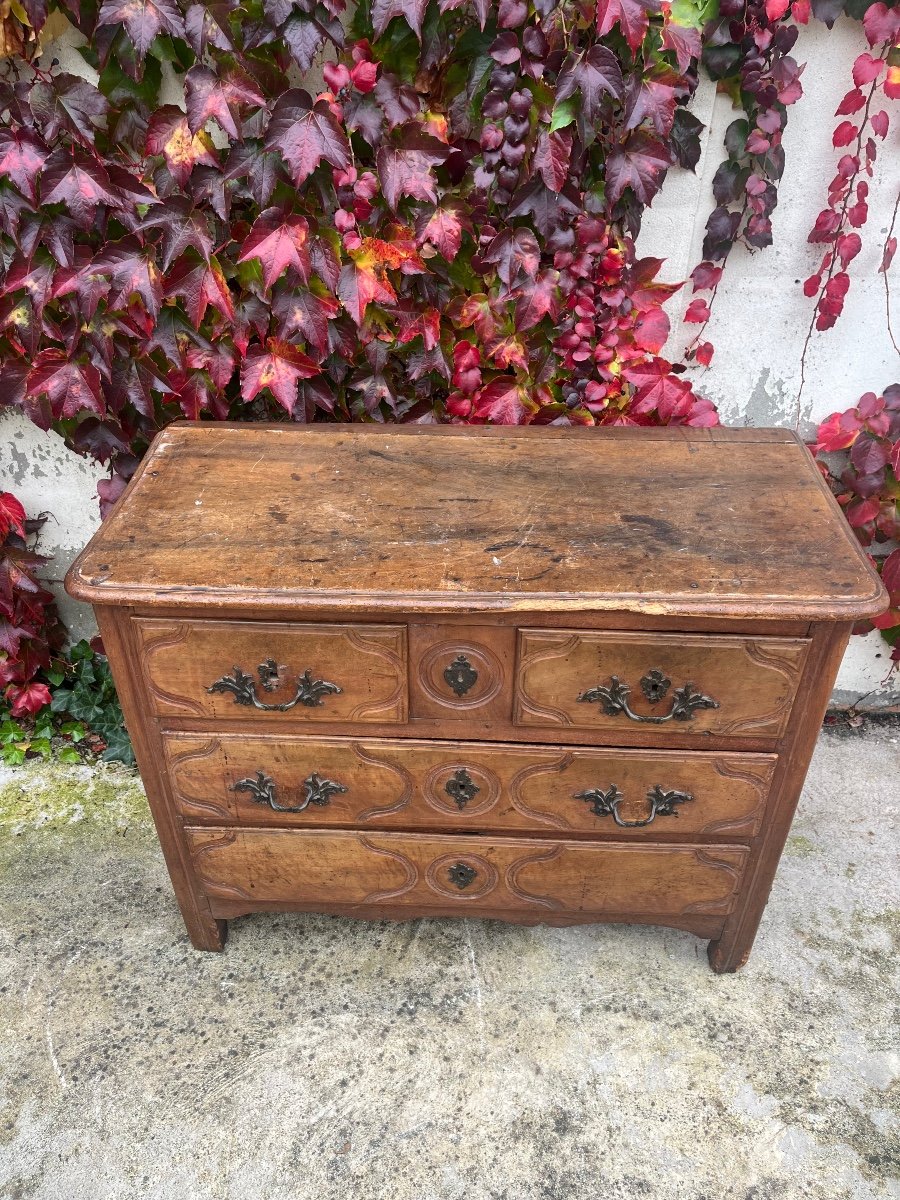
column 368, row 662
column 753, row 680
column 275, row 866
column 403, row 785
column 431, row 519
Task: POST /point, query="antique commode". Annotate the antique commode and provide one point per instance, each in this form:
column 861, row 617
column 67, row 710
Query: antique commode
column 541, row 675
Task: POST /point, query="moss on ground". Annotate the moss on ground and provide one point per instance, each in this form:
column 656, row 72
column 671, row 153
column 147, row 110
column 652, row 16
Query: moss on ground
column 60, row 799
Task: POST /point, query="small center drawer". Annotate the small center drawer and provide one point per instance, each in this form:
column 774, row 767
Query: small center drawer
column 293, row 673
column 500, row 875
column 661, row 685
column 226, row 779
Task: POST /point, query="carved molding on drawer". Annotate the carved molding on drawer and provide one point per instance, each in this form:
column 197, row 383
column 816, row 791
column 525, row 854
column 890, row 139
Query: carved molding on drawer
column 484, row 663
column 214, row 887
column 747, row 825
column 731, row 869
column 393, row 706
column 787, row 665
column 412, row 873
column 512, row 878
column 367, row 756
column 189, row 805
column 556, row 821
column 483, row 781
column 474, row 877
column 523, row 702
column 174, row 636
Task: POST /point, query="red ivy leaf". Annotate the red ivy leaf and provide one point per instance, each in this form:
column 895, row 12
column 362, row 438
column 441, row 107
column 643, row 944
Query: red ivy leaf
column 133, row 272
column 80, row 182
column 279, row 367
column 443, row 229
column 631, row 16
column 684, row 41
column 415, row 322
column 651, row 330
column 704, row 353
column 890, row 249
column 308, row 313
column 862, row 512
column 359, row 286
column 209, row 96
column 705, row 275
column 169, row 134
column 412, row 11
column 869, row 454
column 881, row 24
column 848, row 245
column 880, row 123
column 654, row 102
column 501, row 401
column 12, row 515
column 640, row 164
column 537, row 299
column 851, row 103
column 71, row 386
column 551, row 158
column 595, row 74
column 305, row 133
column 866, row 68
column 143, row 20
column 512, row 250
column 202, row 285
column 278, row 239
column 405, row 170
column 697, row 312
column 22, row 155
column 844, row 134
column 28, row 699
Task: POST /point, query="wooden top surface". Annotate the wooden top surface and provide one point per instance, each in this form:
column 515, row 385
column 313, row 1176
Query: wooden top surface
column 718, row 522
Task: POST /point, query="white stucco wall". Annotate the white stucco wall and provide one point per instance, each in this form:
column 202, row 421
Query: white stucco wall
column 759, row 322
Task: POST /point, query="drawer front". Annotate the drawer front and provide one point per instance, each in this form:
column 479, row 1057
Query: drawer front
column 661, row 685
column 464, row 873
column 461, row 673
column 294, row 673
column 641, row 794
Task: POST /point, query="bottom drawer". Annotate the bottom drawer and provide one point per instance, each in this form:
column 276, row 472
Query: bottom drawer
column 487, row 875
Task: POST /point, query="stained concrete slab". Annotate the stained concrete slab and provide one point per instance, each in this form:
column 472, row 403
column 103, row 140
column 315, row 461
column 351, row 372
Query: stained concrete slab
column 324, row 1058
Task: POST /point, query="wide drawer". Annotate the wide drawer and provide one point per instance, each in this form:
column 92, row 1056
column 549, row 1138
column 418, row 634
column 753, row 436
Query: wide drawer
column 227, row 779
column 293, row 673
column 659, row 684
column 482, row 874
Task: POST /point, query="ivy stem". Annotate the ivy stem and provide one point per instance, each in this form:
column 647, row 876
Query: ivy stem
column 885, row 273
column 849, row 191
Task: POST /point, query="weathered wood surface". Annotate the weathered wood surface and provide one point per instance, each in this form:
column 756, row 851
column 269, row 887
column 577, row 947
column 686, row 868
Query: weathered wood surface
column 716, row 522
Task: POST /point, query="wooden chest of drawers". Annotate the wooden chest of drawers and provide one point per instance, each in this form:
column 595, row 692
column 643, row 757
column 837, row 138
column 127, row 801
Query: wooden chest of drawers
column 542, row 675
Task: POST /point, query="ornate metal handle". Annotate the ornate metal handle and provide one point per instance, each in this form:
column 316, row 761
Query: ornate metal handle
column 262, row 790
column 462, row 875
column 606, row 804
column 686, row 700
column 243, row 688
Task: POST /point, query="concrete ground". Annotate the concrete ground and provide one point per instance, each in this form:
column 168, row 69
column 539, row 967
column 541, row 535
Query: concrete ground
column 321, row 1058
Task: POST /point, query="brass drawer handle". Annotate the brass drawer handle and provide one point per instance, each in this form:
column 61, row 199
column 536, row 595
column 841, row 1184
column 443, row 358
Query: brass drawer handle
column 243, row 687
column 614, row 698
column 262, row 790
column 606, row 804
